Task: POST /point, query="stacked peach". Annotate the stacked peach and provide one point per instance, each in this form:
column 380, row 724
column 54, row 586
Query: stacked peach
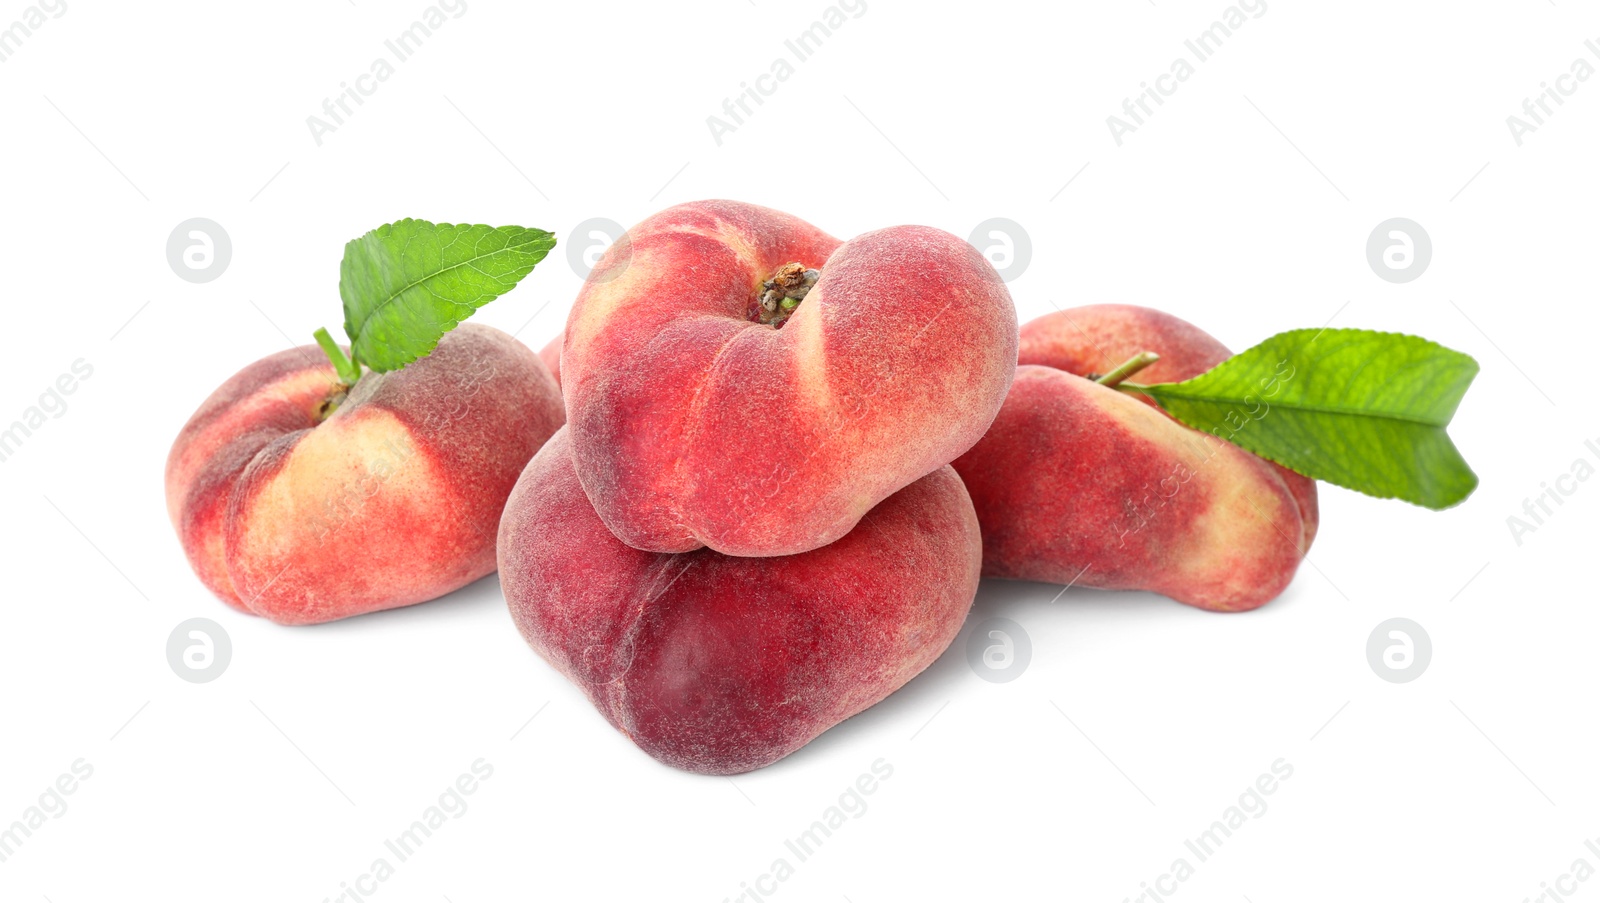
column 748, row 530
column 721, row 664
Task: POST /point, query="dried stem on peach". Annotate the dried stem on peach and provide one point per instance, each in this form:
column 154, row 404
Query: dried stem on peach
column 782, row 294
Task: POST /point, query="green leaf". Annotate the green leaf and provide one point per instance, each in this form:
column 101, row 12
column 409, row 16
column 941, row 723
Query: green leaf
column 406, row 284
column 1364, row 410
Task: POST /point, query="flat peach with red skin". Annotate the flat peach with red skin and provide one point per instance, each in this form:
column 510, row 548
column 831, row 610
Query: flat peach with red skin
column 1079, row 483
column 394, row 499
column 720, row 664
column 693, row 424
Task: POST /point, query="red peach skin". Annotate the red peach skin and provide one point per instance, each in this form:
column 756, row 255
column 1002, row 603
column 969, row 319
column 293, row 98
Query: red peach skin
column 694, row 425
column 719, row 664
column 551, row 355
column 1078, row 483
column 1081, row 340
column 392, row 500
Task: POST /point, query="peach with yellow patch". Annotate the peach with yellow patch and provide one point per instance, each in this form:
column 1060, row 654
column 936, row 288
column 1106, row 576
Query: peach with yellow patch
column 1079, row 483
column 720, row 664
column 701, row 416
column 302, row 517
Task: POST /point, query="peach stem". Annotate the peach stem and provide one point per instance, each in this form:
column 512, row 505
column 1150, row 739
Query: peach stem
column 782, row 293
column 1128, row 368
column 348, row 369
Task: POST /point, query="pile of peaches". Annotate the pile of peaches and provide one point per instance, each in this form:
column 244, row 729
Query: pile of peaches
column 751, row 489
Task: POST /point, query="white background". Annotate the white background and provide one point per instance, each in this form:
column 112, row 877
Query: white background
column 1244, row 204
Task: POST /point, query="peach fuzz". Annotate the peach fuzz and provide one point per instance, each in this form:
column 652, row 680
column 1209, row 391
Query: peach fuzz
column 551, row 355
column 720, row 664
column 1079, row 483
column 391, row 500
column 696, row 424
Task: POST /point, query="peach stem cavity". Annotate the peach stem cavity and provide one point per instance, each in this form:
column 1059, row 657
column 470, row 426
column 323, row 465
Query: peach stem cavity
column 781, row 295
